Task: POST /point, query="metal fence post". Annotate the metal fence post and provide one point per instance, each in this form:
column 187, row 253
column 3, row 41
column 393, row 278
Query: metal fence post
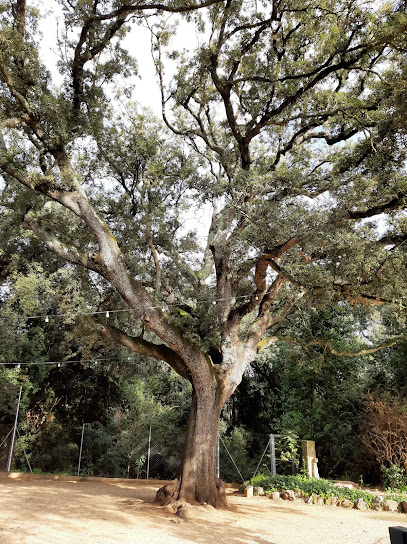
column 148, row 453
column 80, row 449
column 13, row 438
column 273, row 455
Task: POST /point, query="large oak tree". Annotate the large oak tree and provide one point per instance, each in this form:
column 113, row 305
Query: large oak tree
column 286, row 122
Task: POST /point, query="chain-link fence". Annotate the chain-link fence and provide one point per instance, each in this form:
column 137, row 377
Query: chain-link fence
column 280, row 456
column 150, row 455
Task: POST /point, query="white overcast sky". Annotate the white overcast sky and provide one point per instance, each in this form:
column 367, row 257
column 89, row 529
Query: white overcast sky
column 138, row 42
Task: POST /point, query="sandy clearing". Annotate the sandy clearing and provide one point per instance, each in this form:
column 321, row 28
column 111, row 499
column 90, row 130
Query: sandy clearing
column 45, row 511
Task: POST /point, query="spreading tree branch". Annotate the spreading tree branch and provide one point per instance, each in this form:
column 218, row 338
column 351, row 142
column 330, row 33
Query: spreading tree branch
column 67, row 253
column 143, row 347
column 397, row 203
column 328, row 346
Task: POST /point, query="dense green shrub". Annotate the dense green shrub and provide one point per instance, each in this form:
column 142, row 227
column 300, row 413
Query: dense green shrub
column 310, row 486
column 394, row 478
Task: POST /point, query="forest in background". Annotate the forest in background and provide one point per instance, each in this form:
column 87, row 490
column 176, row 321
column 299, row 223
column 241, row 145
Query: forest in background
column 354, row 407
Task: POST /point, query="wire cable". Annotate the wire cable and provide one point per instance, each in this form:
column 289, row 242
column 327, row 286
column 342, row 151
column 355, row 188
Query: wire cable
column 47, row 317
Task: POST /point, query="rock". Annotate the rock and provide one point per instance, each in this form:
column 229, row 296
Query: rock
column 390, row 506
column 403, row 506
column 360, row 505
column 298, row 494
column 288, row 495
column 309, row 499
column 331, row 501
column 258, row 491
column 164, row 494
column 186, row 512
column 274, row 495
column 347, row 485
column 319, row 501
column 377, row 503
column 248, row 492
column 346, row 503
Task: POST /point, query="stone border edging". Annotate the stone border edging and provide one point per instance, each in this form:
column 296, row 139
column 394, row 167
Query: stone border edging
column 379, row 503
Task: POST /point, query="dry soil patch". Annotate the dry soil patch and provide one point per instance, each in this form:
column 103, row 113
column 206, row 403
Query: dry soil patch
column 45, row 511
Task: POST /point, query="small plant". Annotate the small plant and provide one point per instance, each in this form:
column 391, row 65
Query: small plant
column 398, row 497
column 140, row 464
column 394, row 478
column 289, row 447
column 304, row 470
column 260, row 480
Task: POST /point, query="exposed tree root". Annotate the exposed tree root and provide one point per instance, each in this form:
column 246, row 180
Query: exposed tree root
column 173, row 494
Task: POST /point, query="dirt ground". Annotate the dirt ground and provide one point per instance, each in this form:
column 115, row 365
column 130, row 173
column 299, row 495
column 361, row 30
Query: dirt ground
column 72, row 511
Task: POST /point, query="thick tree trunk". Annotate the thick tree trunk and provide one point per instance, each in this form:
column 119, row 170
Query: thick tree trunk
column 197, row 482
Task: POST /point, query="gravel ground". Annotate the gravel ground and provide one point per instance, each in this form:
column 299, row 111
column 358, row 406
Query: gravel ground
column 72, row 511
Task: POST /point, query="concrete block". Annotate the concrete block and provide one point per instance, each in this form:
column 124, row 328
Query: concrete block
column 248, row 492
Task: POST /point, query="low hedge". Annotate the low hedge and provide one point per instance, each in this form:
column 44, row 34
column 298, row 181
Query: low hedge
column 310, row 486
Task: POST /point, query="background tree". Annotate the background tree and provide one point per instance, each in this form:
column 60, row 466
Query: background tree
column 385, row 433
column 286, row 110
column 302, row 387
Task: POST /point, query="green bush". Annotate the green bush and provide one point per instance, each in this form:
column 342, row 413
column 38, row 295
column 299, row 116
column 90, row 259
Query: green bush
column 394, row 478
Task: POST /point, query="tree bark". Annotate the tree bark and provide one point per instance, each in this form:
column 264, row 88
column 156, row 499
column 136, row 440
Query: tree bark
column 197, row 482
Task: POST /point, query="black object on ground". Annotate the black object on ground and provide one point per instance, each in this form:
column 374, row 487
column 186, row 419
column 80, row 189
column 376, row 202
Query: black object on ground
column 398, row 535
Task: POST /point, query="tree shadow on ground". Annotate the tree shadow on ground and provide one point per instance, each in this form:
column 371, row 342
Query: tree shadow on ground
column 198, row 531
column 61, row 512
column 60, row 506
column 50, row 507
column 240, row 523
